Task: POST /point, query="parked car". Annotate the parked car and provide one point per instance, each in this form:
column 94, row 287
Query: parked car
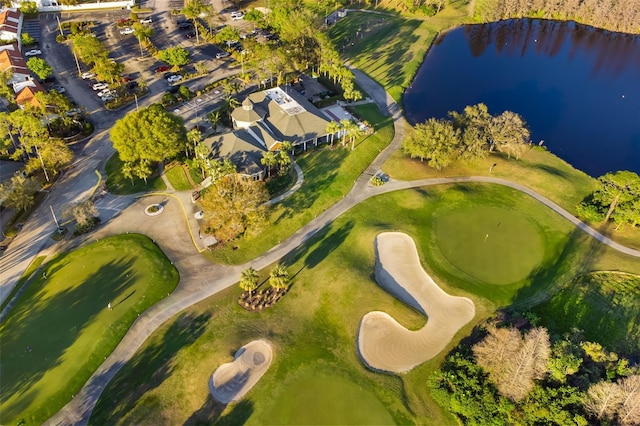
column 236, row 16
column 100, row 86
column 190, row 35
column 185, row 26
column 33, row 52
column 146, row 20
column 174, row 78
column 106, row 92
column 86, row 75
column 127, row 31
column 162, row 68
column 59, row 89
column 107, row 98
column 221, row 55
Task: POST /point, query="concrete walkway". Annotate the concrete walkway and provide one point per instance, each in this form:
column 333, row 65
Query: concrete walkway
column 200, row 279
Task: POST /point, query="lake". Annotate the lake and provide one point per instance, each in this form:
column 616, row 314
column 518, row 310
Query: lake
column 577, row 87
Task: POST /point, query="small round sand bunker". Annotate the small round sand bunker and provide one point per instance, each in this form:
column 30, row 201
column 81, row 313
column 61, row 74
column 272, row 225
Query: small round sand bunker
column 386, row 345
column 231, row 381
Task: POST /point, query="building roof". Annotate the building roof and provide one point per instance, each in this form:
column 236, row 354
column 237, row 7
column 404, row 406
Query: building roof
column 12, row 59
column 10, row 21
column 248, row 113
column 240, row 147
column 28, row 94
column 289, row 115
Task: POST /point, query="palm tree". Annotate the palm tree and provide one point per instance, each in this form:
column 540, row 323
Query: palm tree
column 279, row 277
column 194, row 136
column 142, row 32
column 332, row 128
column 269, row 160
column 354, row 134
column 249, row 280
column 345, row 124
column 192, row 10
column 214, row 117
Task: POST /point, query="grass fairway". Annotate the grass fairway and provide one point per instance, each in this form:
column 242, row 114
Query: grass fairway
column 495, row 245
column 60, row 331
column 604, row 305
column 314, row 328
column 327, row 399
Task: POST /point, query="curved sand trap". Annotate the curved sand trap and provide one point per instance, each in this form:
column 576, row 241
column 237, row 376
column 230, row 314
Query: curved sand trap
column 386, row 345
column 232, row 380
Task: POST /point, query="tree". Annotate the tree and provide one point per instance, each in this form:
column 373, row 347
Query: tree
column 39, row 67
column 279, row 277
column 234, row 206
column 249, row 280
column 194, row 137
column 151, row 134
column 174, row 56
column 6, row 91
column 142, row 32
column 214, row 118
column 19, row 192
column 508, row 133
column 436, row 140
column 604, row 399
column 194, row 9
column 26, row 39
column 84, row 213
column 617, row 188
column 89, row 49
column 333, row 127
column 629, row 413
column 107, row 69
column 269, row 160
column 227, row 35
column 53, row 155
column 513, row 362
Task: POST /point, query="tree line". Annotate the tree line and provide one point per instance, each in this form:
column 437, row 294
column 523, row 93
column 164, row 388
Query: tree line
column 468, row 136
column 615, row 15
column 523, row 376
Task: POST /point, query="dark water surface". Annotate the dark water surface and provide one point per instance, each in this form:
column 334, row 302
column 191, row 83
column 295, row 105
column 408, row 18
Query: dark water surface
column 577, row 87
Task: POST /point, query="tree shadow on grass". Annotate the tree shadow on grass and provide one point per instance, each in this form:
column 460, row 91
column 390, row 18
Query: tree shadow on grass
column 578, row 253
column 40, row 330
column 211, row 413
column 148, row 369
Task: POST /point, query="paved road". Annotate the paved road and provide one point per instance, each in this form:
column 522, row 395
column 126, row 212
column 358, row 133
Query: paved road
column 199, row 279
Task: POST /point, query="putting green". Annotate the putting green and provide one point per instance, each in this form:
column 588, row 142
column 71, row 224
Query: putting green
column 311, row 399
column 492, row 244
column 61, row 329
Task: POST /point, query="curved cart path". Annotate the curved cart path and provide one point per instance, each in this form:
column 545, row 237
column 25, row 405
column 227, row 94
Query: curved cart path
column 199, row 279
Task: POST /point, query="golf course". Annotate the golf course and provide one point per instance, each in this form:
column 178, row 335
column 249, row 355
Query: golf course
column 66, row 328
column 313, row 330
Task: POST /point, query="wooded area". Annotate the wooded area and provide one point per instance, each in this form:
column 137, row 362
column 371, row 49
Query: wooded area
column 615, row 15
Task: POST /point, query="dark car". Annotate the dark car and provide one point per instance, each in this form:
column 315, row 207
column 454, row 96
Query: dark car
column 190, row 35
column 185, row 26
column 162, row 68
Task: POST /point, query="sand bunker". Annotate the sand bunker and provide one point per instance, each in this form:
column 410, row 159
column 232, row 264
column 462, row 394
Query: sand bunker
column 232, row 380
column 386, row 345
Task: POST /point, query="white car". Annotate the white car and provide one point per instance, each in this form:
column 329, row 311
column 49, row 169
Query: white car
column 127, row 31
column 86, row 75
column 33, row 52
column 106, row 92
column 107, row 98
column 174, row 78
column 221, row 55
column 100, row 86
column 147, row 20
column 236, row 16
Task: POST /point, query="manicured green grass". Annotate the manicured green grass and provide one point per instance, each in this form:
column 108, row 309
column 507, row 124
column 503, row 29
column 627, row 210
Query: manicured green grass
column 23, row 279
column 61, row 330
column 495, row 245
column 604, row 305
column 327, row 399
column 329, row 174
column 314, row 328
column 538, row 169
column 393, row 47
column 118, row 184
column 178, row 178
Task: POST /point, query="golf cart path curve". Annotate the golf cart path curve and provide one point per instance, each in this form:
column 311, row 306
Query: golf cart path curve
column 196, row 286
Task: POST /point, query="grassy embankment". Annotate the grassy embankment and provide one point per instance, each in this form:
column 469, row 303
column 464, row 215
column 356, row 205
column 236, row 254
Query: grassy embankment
column 60, row 330
column 118, row 184
column 314, row 327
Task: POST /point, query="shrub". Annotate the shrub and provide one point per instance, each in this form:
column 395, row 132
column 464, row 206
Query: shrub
column 590, row 212
column 168, row 99
column 377, row 180
column 87, row 226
